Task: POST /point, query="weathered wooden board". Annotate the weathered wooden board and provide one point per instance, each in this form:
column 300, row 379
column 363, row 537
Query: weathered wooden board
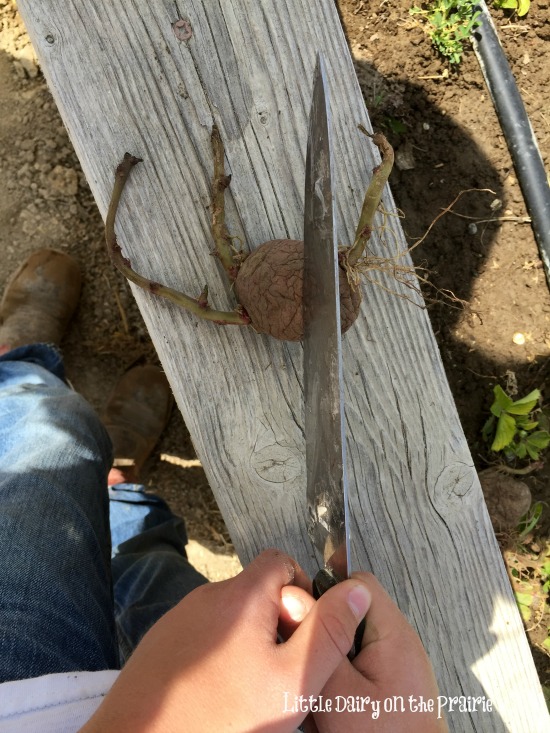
column 123, row 80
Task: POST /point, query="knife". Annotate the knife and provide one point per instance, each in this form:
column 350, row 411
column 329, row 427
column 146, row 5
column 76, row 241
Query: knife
column 327, row 488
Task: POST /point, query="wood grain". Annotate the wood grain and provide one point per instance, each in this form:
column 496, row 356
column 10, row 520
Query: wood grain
column 123, row 80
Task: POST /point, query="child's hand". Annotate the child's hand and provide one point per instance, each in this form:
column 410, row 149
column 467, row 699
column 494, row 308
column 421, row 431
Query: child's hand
column 392, row 662
column 213, row 663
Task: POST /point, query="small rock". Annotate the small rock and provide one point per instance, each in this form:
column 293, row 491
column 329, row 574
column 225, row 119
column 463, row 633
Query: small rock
column 507, row 498
column 404, row 157
column 518, row 338
column 472, row 228
column 19, row 70
column 25, row 63
column 23, row 170
column 63, row 181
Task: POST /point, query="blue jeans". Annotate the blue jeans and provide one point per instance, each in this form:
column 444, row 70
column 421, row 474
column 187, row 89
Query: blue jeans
column 67, row 601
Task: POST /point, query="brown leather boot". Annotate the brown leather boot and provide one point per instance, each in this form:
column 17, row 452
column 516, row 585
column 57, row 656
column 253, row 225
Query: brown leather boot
column 135, row 416
column 39, row 300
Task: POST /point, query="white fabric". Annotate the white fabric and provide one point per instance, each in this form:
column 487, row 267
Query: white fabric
column 55, row 703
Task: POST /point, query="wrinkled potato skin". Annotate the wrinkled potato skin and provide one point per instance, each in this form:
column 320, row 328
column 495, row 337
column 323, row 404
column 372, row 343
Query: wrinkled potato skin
column 269, row 287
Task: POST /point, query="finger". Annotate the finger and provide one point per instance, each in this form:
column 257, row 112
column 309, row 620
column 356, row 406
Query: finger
column 384, row 618
column 309, row 725
column 263, row 579
column 390, row 644
column 392, row 662
column 326, row 634
column 295, row 606
column 302, row 580
column 268, row 573
column 273, row 569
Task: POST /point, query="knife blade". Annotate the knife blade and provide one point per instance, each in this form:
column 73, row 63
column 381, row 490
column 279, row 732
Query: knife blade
column 327, row 500
column 327, row 486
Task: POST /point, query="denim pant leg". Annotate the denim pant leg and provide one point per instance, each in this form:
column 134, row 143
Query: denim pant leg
column 56, row 605
column 151, row 573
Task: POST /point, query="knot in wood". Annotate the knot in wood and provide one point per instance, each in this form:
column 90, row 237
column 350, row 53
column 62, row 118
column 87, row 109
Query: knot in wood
column 182, row 29
column 276, row 464
column 454, row 486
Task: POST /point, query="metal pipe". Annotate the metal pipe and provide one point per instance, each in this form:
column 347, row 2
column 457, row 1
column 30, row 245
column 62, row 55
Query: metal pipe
column 517, row 130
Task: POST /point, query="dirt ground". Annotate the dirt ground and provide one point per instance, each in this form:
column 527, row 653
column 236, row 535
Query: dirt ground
column 448, row 140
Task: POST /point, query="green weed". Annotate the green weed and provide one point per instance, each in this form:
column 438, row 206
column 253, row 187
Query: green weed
column 394, row 125
column 512, row 429
column 449, row 24
column 529, row 568
column 521, row 7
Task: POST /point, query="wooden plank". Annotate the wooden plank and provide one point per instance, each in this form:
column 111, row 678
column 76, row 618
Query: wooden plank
column 123, row 80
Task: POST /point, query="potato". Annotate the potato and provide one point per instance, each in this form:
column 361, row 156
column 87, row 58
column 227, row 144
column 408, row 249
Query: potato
column 269, row 288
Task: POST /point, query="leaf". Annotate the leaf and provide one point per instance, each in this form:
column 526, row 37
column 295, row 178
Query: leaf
column 508, row 4
column 506, row 429
column 524, row 601
column 396, row 126
column 533, row 452
column 520, row 450
column 488, row 429
column 522, row 409
column 526, row 405
column 539, row 440
column 523, row 7
column 543, row 420
column 502, row 401
column 530, row 520
column 526, row 424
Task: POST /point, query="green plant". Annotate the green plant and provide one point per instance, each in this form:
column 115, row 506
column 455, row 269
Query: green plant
column 530, row 520
column 520, row 6
column 449, row 24
column 529, row 567
column 512, row 429
column 377, row 98
column 393, row 125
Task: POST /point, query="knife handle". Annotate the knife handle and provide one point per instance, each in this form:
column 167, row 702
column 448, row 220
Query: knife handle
column 321, row 583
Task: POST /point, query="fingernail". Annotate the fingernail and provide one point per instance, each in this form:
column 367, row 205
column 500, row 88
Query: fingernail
column 294, row 607
column 359, row 600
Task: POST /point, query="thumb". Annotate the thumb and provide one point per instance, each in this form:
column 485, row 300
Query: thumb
column 326, row 635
